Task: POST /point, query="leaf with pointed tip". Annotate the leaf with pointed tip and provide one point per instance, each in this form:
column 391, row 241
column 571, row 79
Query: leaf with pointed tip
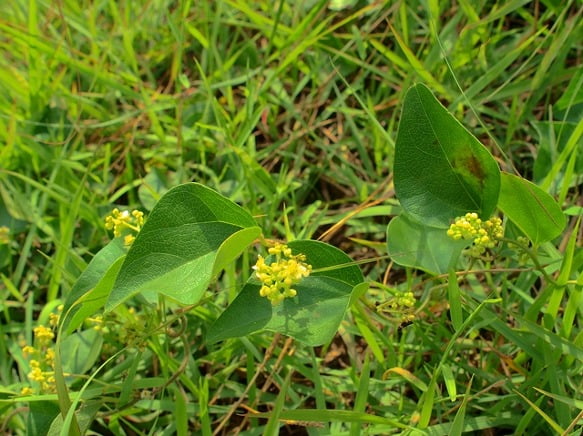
column 190, row 234
column 313, row 316
column 533, row 211
column 441, row 170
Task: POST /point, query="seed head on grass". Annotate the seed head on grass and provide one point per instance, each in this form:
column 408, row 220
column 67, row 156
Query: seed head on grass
column 279, row 276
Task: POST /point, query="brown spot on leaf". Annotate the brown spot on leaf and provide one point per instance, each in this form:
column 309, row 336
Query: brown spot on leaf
column 472, row 164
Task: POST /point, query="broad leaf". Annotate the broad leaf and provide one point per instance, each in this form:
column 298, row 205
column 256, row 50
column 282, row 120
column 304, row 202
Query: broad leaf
column 531, row 209
column 313, row 316
column 40, row 415
column 189, row 231
column 80, row 351
column 98, row 272
column 84, row 416
column 92, row 301
column 441, row 170
column 417, row 246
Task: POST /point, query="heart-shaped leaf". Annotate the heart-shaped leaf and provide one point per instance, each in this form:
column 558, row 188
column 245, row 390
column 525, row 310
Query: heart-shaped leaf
column 533, row 211
column 313, row 316
column 190, row 230
column 441, row 170
column 417, row 246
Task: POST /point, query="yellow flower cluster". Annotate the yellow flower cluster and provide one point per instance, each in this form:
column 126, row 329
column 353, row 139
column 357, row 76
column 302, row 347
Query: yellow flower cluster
column 401, row 306
column 279, row 276
column 122, row 222
column 132, row 327
column 401, row 301
column 4, row 235
column 42, row 359
column 408, row 318
column 405, row 299
column 125, row 327
column 43, row 335
column 483, row 234
column 98, row 323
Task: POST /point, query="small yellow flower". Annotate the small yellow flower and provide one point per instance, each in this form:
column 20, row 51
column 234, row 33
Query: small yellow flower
column 43, row 334
column 36, row 374
column 278, row 277
column 42, row 362
column 50, row 356
column 4, row 235
column 47, row 386
column 406, row 299
column 124, row 222
column 139, row 217
column 96, row 322
column 408, row 318
column 27, row 390
column 53, row 319
column 483, row 234
column 27, row 350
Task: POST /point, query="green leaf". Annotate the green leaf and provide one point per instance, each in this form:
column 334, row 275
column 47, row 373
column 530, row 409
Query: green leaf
column 338, row 5
column 92, row 301
column 40, row 416
column 231, row 247
column 95, row 270
column 572, row 402
column 441, row 170
column 455, row 301
column 93, row 285
column 80, row 351
column 190, row 234
column 328, row 261
column 328, row 415
column 273, row 423
column 559, row 344
column 553, row 137
column 417, row 246
column 84, row 416
column 313, row 316
column 459, row 424
column 567, row 262
column 449, row 380
column 531, row 209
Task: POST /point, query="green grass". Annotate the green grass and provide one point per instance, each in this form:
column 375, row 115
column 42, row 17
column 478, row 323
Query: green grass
column 290, row 109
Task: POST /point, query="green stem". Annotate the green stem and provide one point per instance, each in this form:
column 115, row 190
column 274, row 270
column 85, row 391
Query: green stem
column 533, row 257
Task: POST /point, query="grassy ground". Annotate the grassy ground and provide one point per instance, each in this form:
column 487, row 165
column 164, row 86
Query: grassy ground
column 291, row 109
